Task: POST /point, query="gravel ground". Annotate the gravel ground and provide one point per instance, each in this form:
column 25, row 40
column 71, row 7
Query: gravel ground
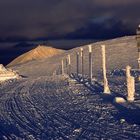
column 45, row 107
column 60, row 108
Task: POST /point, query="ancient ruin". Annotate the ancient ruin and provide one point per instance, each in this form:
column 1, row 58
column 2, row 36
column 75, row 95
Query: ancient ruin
column 138, row 46
column 130, row 85
column 62, row 67
column 69, row 64
column 7, row 74
column 82, row 62
column 90, row 62
column 77, row 62
column 106, row 87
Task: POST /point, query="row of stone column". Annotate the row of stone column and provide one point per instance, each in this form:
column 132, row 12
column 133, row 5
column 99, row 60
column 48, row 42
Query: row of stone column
column 129, row 79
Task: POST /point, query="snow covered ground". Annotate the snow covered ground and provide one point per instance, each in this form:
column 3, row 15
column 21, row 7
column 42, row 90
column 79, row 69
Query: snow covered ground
column 59, row 108
column 43, row 106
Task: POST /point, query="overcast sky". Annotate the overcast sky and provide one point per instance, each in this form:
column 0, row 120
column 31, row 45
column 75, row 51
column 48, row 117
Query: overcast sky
column 31, row 19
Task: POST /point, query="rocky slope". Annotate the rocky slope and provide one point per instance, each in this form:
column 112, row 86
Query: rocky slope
column 39, row 52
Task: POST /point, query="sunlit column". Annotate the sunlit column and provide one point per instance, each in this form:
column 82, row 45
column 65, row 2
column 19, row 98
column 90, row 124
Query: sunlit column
column 90, row 62
column 106, row 86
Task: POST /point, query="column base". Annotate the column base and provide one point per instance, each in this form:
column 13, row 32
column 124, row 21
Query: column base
column 130, row 99
column 107, row 90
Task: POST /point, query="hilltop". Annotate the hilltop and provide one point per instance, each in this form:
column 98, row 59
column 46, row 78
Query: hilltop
column 39, row 52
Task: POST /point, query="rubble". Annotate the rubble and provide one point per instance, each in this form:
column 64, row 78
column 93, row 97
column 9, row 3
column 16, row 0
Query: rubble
column 7, row 74
column 119, row 100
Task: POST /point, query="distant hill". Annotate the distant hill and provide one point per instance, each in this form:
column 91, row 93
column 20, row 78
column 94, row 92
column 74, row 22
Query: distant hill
column 120, row 52
column 39, row 52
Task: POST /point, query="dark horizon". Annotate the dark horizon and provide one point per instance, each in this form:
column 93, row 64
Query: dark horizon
column 17, row 48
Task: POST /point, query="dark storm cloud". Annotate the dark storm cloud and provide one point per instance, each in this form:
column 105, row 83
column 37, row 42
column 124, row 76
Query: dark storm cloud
column 57, row 18
column 66, row 19
column 101, row 30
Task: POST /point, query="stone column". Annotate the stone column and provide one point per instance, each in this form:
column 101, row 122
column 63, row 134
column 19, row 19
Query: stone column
column 139, row 61
column 90, row 62
column 69, row 64
column 128, row 71
column 62, row 67
column 66, row 62
column 130, row 85
column 138, row 44
column 77, row 63
column 106, row 86
column 82, row 62
column 139, row 65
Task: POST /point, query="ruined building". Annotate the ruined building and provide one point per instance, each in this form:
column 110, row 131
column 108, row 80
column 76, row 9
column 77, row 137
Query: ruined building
column 7, row 74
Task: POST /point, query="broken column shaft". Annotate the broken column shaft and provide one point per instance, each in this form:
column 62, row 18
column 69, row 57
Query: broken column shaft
column 69, row 64
column 82, row 62
column 77, row 63
column 62, row 67
column 106, row 86
column 138, row 46
column 90, row 63
column 130, row 85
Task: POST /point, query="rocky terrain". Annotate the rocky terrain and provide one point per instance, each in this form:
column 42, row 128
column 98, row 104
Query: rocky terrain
column 45, row 105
